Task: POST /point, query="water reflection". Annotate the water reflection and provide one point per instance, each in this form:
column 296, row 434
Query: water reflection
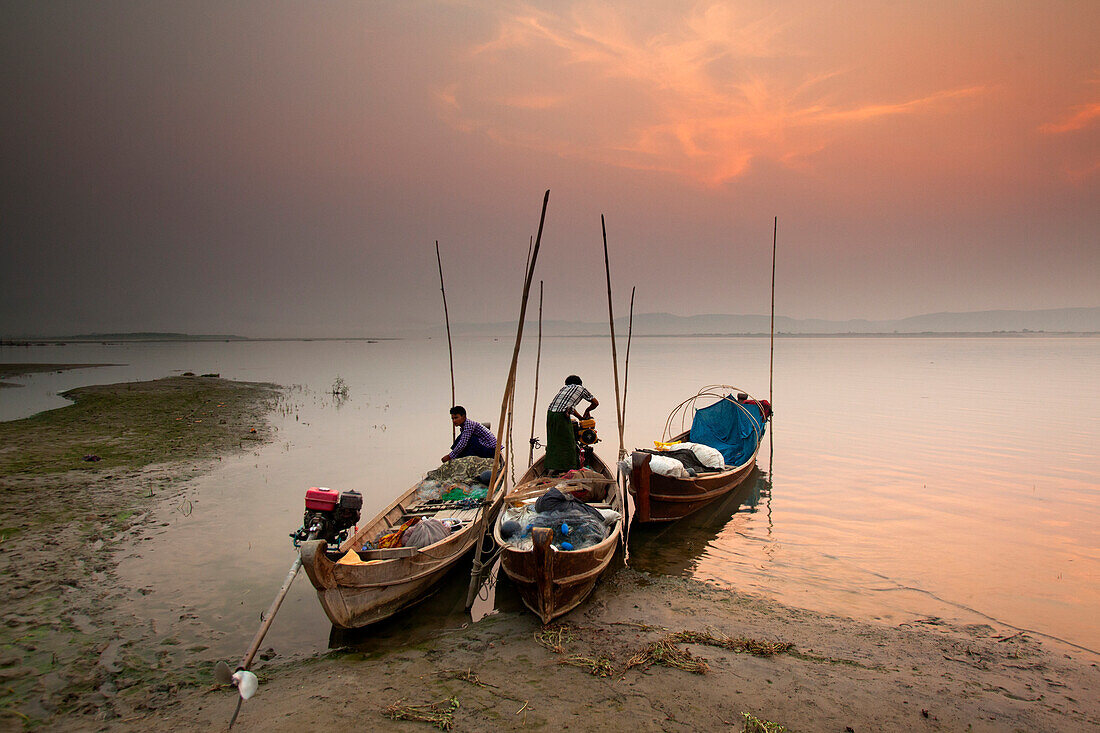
column 442, row 610
column 676, row 548
column 907, row 467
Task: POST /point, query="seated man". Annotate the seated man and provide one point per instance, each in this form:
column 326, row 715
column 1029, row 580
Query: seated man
column 473, row 440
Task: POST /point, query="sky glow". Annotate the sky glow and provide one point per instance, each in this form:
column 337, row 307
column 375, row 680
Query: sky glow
column 284, row 169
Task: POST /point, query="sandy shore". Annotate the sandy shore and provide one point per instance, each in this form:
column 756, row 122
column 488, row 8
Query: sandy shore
column 77, row 484
column 506, row 672
column 71, row 659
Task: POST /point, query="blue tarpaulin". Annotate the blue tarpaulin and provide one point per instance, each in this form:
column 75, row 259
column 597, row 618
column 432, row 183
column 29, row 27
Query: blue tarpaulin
column 734, row 429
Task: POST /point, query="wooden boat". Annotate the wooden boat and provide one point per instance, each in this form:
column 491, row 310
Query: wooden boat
column 660, row 498
column 553, row 582
column 390, row 579
column 677, row 548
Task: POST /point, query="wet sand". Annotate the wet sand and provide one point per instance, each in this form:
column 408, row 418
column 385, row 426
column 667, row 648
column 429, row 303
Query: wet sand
column 507, row 672
column 76, row 485
column 72, row 657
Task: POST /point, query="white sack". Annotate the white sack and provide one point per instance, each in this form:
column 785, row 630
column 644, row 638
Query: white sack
column 710, row 457
column 667, row 467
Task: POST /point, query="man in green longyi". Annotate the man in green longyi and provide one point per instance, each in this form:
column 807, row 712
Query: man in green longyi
column 561, row 444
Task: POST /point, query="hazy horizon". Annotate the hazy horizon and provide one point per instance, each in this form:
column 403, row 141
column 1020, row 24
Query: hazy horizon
column 278, row 170
column 1054, row 322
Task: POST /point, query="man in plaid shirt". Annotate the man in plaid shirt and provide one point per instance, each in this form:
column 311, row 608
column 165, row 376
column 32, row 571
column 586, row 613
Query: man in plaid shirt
column 474, row 440
column 561, row 443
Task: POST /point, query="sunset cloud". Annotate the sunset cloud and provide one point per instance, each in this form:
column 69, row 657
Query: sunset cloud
column 1079, row 118
column 699, row 94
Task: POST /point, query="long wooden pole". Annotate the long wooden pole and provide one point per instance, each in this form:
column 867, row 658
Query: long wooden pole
column 535, row 404
column 510, row 385
column 447, row 320
column 626, row 383
column 629, row 336
column 771, row 355
column 265, row 625
column 614, row 353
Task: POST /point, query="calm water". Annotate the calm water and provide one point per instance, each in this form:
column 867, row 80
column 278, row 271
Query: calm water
column 905, row 477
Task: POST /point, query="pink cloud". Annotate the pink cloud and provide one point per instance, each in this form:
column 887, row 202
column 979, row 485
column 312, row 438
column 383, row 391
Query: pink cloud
column 1082, row 116
column 699, row 94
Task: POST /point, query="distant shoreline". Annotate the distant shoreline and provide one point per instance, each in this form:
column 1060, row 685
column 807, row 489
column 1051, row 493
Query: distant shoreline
column 921, row 334
column 924, row 335
column 54, row 341
column 23, row 343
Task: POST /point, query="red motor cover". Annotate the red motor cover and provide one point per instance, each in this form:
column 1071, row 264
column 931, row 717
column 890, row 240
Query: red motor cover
column 321, row 500
column 765, row 406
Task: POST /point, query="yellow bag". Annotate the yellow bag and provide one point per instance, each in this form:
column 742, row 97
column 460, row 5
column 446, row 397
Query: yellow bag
column 666, row 446
column 352, row 558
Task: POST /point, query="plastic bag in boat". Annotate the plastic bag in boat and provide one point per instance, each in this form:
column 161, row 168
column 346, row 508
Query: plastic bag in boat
column 667, row 467
column 710, row 457
column 425, row 532
column 515, row 526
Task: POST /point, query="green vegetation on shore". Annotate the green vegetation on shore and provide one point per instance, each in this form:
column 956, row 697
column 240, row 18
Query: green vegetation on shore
column 68, row 652
column 135, row 424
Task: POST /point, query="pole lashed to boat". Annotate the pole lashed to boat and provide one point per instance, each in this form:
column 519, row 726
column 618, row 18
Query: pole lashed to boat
column 771, row 354
column 614, row 351
column 626, row 365
column 447, row 320
column 535, row 404
column 510, row 385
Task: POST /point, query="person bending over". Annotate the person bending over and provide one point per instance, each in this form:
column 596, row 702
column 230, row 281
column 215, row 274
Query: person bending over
column 474, row 439
column 561, row 443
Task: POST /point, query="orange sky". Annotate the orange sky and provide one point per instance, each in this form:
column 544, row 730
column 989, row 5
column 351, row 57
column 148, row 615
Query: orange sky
column 920, row 157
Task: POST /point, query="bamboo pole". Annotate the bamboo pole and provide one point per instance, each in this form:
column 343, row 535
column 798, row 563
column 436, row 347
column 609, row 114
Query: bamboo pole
column 771, row 355
column 535, row 402
column 510, row 455
column 447, row 320
column 614, row 352
column 626, row 383
column 626, row 367
column 475, row 571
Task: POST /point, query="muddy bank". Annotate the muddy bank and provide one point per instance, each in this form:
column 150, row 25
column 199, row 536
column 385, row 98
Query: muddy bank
column 623, row 661
column 75, row 484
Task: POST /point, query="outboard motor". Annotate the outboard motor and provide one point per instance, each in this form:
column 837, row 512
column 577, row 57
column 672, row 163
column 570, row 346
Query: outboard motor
column 328, row 515
column 586, row 432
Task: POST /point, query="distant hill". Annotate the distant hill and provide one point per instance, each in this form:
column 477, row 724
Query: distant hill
column 1059, row 320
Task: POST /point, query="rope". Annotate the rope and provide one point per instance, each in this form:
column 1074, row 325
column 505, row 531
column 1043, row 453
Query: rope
column 490, row 582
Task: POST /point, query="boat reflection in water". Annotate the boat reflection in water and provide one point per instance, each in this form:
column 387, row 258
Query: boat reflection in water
column 443, row 610
column 677, row 547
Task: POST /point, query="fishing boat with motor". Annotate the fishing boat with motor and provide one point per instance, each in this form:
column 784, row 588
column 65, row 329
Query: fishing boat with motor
column 355, row 590
column 358, row 587
column 558, row 534
column 700, row 465
column 362, row 583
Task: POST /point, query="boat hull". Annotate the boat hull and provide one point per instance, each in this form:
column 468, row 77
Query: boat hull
column 659, row 498
column 553, row 582
column 391, row 579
